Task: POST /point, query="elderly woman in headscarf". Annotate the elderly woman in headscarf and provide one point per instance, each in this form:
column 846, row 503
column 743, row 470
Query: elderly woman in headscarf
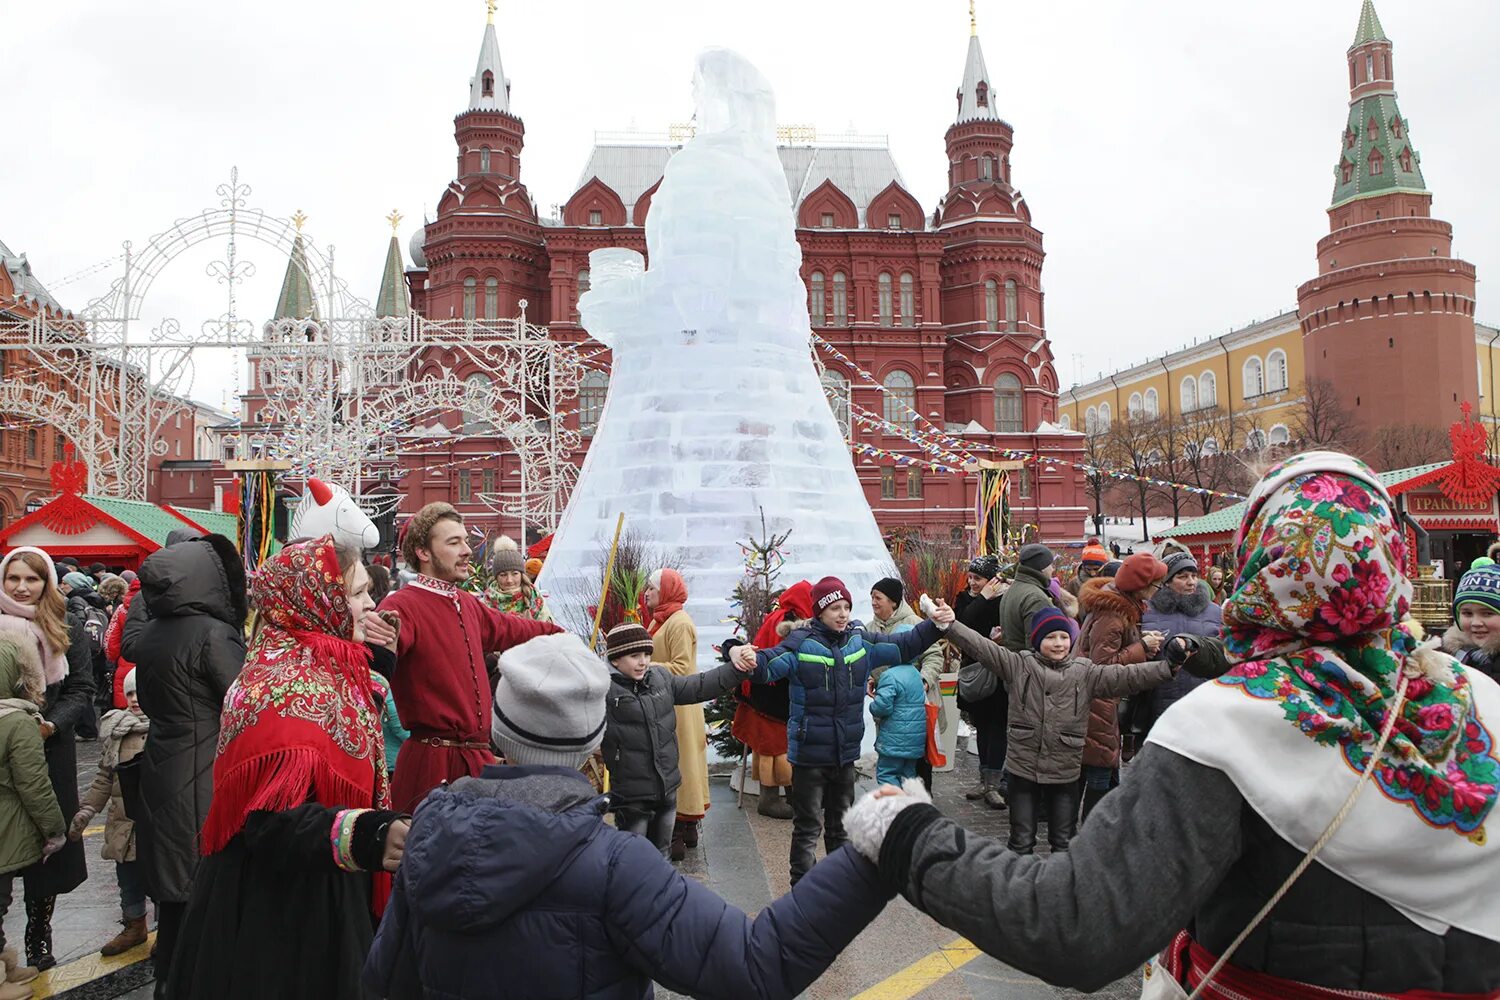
column 1335, row 733
column 300, row 836
column 676, row 640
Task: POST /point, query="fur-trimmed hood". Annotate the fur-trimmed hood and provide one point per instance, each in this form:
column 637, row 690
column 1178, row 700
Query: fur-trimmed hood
column 1099, row 596
column 1456, row 641
column 1168, row 602
column 21, row 674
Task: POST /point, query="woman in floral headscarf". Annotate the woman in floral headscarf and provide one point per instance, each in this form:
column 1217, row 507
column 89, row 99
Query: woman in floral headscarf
column 1323, row 681
column 285, row 902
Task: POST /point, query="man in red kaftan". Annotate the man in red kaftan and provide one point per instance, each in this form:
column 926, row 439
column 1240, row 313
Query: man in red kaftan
column 440, row 684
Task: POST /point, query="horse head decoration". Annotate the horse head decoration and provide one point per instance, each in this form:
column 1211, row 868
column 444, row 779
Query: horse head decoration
column 330, row 510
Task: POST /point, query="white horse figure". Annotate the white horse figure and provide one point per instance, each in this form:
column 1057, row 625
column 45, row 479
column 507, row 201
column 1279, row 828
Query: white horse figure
column 330, row 510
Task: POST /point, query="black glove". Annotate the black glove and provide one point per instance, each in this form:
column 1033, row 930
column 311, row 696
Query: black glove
column 1180, row 649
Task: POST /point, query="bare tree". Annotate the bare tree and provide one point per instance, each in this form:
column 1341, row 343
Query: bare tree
column 1132, row 451
column 1096, row 482
column 1400, row 446
column 1323, row 421
column 1169, row 441
column 1208, row 440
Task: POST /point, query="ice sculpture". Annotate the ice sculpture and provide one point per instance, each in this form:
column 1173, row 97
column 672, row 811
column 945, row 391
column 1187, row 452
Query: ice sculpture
column 715, row 410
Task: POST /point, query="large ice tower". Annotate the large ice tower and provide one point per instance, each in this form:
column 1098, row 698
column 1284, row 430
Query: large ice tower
column 715, row 410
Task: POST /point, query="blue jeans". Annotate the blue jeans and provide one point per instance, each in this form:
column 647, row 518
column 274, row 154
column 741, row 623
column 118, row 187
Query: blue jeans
column 1098, row 778
column 132, row 889
column 894, row 770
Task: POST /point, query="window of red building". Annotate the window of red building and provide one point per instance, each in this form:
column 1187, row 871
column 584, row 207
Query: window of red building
column 818, row 300
column 914, row 482
column 908, row 301
column 840, row 299
column 465, row 486
column 1377, row 163
column 888, row 482
column 31, row 443
column 886, row 314
column 827, row 221
column 991, row 306
column 900, row 399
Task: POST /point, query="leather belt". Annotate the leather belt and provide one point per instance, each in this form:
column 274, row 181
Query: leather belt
column 434, row 741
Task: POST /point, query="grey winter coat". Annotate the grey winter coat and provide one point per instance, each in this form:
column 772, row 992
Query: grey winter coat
column 1175, row 614
column 188, row 650
column 1049, row 702
column 640, row 738
column 1176, row 845
column 1026, row 596
column 929, row 664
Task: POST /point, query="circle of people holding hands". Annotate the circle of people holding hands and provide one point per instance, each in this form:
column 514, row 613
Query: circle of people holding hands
column 370, row 794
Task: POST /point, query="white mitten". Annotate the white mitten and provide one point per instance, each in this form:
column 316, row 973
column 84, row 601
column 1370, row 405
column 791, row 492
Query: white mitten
column 868, row 819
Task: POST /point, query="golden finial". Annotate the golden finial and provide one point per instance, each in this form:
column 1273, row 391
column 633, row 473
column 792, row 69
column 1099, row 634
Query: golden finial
column 490, row 6
column 299, row 220
column 973, row 24
column 394, row 219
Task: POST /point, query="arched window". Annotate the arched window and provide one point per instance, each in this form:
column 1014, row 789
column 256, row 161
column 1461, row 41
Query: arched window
column 591, row 393
column 484, row 159
column 991, row 306
column 908, row 301
column 1254, row 377
column 900, row 399
column 886, row 318
column 491, row 298
column 1010, row 307
column 487, row 84
column 1377, row 163
column 817, row 302
column 840, row 299
column 1210, row 446
column 1188, row 396
column 1134, row 407
column 1091, row 421
column 1256, row 439
column 469, row 291
column 32, row 438
column 1151, row 404
column 1105, row 417
column 476, row 420
column 836, row 388
column 982, row 94
column 1276, row 374
column 1066, row 421
column 1009, row 405
column 1153, row 457
column 1280, row 435
column 583, row 281
column 1208, row 389
column 986, row 168
column 57, row 447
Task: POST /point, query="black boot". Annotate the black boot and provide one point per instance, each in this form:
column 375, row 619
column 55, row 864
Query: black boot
column 1091, row 798
column 39, row 933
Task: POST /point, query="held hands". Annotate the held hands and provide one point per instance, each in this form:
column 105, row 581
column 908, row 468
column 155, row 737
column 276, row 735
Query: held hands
column 942, row 615
column 48, row 729
column 380, row 632
column 395, row 844
column 1152, row 641
column 53, row 845
column 743, row 658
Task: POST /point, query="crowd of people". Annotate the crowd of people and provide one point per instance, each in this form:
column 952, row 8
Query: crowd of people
column 331, row 780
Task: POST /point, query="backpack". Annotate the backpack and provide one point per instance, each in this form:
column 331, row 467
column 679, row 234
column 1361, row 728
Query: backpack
column 95, row 623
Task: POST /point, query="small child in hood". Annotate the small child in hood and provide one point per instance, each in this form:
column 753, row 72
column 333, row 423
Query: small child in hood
column 899, row 708
column 122, row 732
column 512, row 885
column 829, row 661
column 640, row 736
column 1050, row 691
column 1474, row 638
column 31, row 824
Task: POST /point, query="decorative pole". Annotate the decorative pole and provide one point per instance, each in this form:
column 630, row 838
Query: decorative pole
column 609, row 571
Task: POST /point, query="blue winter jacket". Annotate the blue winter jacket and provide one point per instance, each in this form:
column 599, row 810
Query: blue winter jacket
column 900, row 709
column 828, row 671
column 513, row 886
column 1174, row 614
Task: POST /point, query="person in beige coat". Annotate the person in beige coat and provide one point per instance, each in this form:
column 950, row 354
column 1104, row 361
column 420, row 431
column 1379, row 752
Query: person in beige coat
column 123, row 735
column 676, row 642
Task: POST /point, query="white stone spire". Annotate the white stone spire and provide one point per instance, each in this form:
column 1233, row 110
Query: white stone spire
column 488, row 89
column 976, row 98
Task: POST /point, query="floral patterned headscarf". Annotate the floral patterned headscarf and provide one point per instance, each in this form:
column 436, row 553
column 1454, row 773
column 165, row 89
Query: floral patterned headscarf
column 1316, row 622
column 300, row 722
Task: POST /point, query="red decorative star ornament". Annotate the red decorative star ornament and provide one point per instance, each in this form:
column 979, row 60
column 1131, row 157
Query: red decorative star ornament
column 1470, row 480
column 70, row 476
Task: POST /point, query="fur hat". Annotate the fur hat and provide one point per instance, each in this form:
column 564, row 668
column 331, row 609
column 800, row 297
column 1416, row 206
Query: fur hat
column 549, row 702
column 626, row 638
column 506, row 556
column 828, row 591
column 1478, row 586
column 1046, row 621
column 1138, row 572
column 1180, row 562
column 890, row 587
column 1036, row 556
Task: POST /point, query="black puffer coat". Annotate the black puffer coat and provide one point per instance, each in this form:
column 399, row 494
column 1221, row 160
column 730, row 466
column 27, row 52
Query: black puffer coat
column 640, row 743
column 187, row 651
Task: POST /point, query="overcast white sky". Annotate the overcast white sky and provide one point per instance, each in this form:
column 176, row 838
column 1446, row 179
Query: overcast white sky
column 1177, row 154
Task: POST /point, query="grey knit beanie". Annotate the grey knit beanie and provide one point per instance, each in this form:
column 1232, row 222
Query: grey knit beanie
column 1179, row 562
column 549, row 703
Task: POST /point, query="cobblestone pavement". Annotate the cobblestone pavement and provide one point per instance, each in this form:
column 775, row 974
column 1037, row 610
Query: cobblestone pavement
column 743, row 857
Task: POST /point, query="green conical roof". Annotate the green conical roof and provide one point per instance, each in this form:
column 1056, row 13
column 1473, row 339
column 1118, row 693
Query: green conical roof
column 1385, row 147
column 1369, row 29
column 297, row 300
column 391, row 301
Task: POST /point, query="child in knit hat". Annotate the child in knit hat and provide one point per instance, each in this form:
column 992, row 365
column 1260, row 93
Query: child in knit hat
column 1050, row 693
column 829, row 660
column 640, row 735
column 512, row 885
column 1475, row 636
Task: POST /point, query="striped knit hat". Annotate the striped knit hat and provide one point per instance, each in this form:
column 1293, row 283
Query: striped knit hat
column 549, row 703
column 1478, row 586
column 1047, row 621
column 628, row 637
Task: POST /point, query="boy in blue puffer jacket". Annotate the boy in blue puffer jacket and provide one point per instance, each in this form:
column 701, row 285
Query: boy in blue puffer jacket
column 900, row 708
column 828, row 661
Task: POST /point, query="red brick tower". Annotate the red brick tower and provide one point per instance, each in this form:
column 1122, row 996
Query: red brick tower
column 999, row 365
column 1390, row 317
column 485, row 250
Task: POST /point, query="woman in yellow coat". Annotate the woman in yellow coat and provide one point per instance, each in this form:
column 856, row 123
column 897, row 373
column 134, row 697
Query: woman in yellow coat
column 677, row 649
